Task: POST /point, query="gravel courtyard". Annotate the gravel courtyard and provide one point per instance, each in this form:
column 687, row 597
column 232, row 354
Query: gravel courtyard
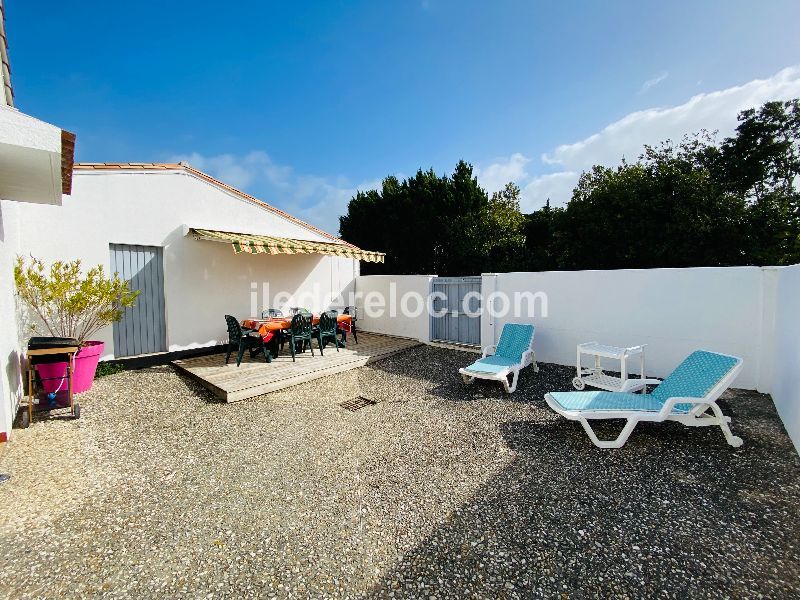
column 439, row 490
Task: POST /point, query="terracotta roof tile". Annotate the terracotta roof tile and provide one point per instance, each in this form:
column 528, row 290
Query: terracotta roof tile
column 67, row 160
column 128, row 166
column 5, row 64
column 133, row 166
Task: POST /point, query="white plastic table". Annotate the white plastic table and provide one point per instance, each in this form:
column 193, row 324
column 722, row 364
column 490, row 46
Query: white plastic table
column 595, row 376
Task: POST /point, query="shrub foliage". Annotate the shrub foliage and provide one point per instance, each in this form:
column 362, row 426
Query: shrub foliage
column 68, row 302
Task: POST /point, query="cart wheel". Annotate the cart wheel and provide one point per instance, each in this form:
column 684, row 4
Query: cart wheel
column 24, row 421
column 76, row 411
column 578, row 383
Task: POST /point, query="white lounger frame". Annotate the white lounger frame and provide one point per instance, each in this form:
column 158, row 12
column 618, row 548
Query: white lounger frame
column 696, row 417
column 528, row 358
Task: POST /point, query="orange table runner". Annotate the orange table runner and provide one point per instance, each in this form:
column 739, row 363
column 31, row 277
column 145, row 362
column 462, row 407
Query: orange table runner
column 267, row 327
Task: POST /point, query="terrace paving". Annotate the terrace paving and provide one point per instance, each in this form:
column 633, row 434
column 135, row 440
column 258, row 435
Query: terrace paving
column 438, row 490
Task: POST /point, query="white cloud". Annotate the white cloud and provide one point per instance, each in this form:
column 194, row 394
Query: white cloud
column 321, row 202
column 534, row 190
column 239, row 171
column 496, row 175
column 711, row 111
column 557, row 187
column 627, row 136
column 653, row 81
column 316, row 200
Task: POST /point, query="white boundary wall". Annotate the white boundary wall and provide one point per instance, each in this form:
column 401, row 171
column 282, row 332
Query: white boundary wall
column 673, row 311
column 785, row 373
column 391, row 288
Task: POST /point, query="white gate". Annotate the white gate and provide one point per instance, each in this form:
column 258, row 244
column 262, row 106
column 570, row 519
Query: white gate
column 453, row 320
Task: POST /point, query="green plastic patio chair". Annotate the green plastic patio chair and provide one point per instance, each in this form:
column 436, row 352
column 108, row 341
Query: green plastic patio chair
column 239, row 339
column 300, row 331
column 688, row 395
column 326, row 330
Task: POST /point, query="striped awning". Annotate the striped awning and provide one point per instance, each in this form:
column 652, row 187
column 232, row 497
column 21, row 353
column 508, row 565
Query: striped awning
column 265, row 244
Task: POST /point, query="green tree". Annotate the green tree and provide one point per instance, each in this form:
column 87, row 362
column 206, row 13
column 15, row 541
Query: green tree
column 541, row 230
column 434, row 224
column 696, row 203
column 761, row 163
column 503, row 229
column 662, row 211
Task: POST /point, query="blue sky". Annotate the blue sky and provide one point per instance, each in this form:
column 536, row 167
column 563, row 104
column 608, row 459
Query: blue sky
column 300, row 103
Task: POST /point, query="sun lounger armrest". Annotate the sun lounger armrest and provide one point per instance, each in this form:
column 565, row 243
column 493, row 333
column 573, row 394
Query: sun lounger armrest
column 488, row 350
column 636, row 384
column 527, row 357
column 671, row 402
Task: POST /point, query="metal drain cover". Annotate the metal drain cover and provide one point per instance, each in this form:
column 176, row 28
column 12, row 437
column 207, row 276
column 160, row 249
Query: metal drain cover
column 357, row 403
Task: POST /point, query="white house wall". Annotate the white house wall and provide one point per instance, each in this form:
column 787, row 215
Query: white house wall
column 30, row 155
column 203, row 280
column 28, row 133
column 10, row 353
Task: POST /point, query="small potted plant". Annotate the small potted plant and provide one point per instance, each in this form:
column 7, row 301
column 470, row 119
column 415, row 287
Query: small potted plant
column 72, row 304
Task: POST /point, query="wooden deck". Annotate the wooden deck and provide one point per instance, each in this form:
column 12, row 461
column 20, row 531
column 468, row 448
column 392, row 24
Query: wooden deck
column 255, row 377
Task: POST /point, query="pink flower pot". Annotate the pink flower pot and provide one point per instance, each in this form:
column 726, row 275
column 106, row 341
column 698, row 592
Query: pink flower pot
column 82, row 377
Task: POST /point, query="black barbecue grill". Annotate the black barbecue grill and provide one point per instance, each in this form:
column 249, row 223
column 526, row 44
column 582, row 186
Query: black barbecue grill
column 51, row 343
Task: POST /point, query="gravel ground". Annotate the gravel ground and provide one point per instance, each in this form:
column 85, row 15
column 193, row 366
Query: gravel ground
column 439, row 490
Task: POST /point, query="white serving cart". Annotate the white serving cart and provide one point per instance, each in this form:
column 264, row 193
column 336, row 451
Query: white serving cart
column 595, row 376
